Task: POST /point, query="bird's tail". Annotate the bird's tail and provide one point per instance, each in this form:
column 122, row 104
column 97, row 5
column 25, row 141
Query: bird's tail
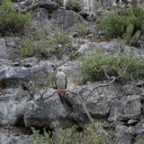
column 61, row 95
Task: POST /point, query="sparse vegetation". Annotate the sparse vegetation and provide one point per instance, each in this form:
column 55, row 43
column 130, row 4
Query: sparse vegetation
column 140, row 142
column 90, row 135
column 124, row 67
column 81, row 29
column 127, row 24
column 61, row 38
column 43, row 43
column 76, row 5
column 12, row 21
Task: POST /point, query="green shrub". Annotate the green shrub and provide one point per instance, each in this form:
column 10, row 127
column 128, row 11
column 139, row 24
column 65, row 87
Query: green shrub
column 123, row 67
column 41, row 43
column 115, row 23
column 27, row 48
column 39, row 139
column 61, row 37
column 140, row 142
column 81, row 29
column 90, row 135
column 76, row 5
column 30, row 47
column 12, row 21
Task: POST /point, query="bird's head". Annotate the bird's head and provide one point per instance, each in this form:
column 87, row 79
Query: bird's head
column 59, row 69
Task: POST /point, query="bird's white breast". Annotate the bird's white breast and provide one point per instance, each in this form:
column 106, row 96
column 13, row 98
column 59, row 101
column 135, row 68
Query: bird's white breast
column 61, row 80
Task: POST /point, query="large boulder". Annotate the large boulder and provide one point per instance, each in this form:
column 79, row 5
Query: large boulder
column 13, row 102
column 123, row 135
column 66, row 20
column 46, row 113
column 87, row 48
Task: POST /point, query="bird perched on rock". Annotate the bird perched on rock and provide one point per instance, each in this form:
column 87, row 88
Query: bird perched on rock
column 61, row 84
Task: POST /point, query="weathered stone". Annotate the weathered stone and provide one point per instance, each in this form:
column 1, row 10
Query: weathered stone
column 13, row 73
column 28, row 62
column 13, row 44
column 123, row 135
column 3, row 49
column 87, row 48
column 13, row 102
column 47, row 113
column 66, row 20
column 132, row 121
column 12, row 139
column 129, row 107
column 139, row 128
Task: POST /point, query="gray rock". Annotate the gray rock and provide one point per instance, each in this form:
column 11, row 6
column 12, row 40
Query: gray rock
column 132, row 121
column 102, row 100
column 13, row 102
column 11, row 47
column 32, row 4
column 3, row 49
column 115, row 47
column 98, row 104
column 129, row 107
column 139, row 128
column 123, row 135
column 47, row 113
column 87, row 48
column 8, row 72
column 28, row 62
column 14, row 139
column 112, row 46
column 66, row 20
column 41, row 72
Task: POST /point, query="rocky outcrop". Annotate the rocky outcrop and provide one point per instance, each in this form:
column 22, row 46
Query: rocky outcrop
column 28, row 97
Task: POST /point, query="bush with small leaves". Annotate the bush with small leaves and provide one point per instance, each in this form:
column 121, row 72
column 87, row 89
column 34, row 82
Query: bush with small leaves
column 81, row 29
column 12, row 21
column 140, row 142
column 124, row 67
column 76, row 5
column 61, row 38
column 127, row 24
column 90, row 135
column 43, row 43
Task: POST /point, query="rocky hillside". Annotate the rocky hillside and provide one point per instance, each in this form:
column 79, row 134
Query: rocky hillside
column 105, row 72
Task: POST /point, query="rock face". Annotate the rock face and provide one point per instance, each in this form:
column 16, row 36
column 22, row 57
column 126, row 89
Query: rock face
column 28, row 97
column 3, row 49
column 65, row 19
column 12, row 105
column 47, row 113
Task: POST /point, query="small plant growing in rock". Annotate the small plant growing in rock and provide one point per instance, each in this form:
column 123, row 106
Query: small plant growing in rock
column 81, row 29
column 12, row 21
column 140, row 142
column 27, row 48
column 61, row 37
column 42, row 43
column 124, row 67
column 76, row 5
column 90, row 135
column 30, row 47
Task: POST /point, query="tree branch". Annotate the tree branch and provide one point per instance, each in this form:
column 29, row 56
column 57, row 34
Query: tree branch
column 84, row 106
column 100, row 85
